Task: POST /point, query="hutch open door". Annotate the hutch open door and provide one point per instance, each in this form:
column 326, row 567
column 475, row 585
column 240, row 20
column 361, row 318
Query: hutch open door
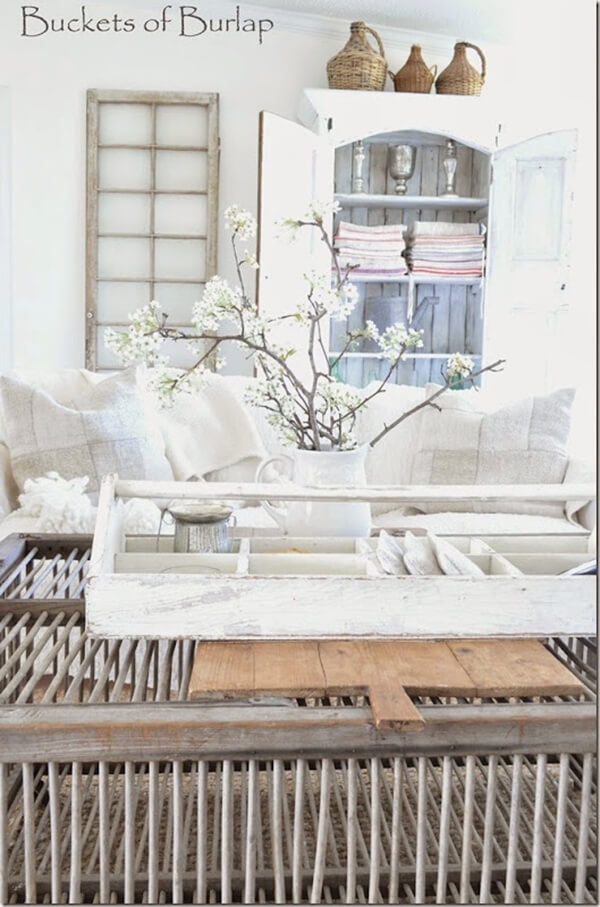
column 295, row 167
column 530, row 219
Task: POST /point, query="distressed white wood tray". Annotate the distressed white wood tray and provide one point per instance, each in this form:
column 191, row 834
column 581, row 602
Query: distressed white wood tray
column 283, row 588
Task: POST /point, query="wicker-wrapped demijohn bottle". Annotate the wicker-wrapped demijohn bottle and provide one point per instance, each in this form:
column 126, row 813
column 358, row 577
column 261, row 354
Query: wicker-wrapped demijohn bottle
column 459, row 77
column 415, row 75
column 358, row 65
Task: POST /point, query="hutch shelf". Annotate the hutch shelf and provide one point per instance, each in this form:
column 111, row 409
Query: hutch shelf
column 368, row 200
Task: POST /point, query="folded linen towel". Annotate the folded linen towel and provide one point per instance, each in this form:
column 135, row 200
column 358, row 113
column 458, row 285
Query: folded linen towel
column 439, row 228
column 379, row 235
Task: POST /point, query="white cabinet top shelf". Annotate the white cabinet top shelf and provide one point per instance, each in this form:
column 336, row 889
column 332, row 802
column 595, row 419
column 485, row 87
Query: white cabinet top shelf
column 366, row 200
column 344, row 116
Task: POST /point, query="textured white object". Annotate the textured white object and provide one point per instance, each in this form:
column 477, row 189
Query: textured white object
column 444, row 523
column 452, row 561
column 390, row 554
column 208, row 429
column 142, row 517
column 60, row 505
column 419, row 556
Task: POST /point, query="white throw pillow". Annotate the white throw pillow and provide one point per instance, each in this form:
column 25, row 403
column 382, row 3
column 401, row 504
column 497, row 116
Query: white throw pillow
column 103, row 430
column 390, row 461
column 524, row 443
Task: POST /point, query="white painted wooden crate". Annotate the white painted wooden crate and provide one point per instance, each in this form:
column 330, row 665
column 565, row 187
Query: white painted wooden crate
column 283, row 588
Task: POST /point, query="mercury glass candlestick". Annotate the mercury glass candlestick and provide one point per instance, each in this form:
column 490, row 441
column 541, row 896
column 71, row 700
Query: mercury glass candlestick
column 449, row 164
column 358, row 183
column 401, row 164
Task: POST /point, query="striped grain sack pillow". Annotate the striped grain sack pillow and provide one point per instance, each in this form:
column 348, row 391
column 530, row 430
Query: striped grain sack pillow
column 104, row 430
column 524, row 443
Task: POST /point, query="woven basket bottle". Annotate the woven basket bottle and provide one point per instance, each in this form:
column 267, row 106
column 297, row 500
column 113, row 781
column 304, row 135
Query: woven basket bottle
column 358, row 66
column 460, row 77
column 415, row 75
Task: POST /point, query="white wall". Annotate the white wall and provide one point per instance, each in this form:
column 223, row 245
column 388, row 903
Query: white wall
column 6, row 344
column 48, row 78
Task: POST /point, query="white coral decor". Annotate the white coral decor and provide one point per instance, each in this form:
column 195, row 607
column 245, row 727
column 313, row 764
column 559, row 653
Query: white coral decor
column 60, row 505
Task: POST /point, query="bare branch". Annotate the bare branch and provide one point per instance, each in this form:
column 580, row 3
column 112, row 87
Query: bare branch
column 494, row 367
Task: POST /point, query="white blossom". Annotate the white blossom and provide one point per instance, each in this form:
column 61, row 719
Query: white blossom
column 241, row 222
column 370, row 330
column 142, row 340
column 166, row 383
column 250, row 260
column 219, row 301
column 347, row 297
column 459, row 366
column 319, row 211
column 396, row 340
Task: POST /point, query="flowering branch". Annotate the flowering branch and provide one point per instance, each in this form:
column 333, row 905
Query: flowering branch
column 318, row 413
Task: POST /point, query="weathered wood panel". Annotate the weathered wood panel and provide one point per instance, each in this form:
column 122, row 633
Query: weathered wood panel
column 103, row 731
column 386, row 670
column 232, row 607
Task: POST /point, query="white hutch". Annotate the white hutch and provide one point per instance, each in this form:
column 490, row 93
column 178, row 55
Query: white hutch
column 523, row 192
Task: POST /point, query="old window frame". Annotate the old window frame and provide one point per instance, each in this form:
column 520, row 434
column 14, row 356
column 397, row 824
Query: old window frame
column 153, row 99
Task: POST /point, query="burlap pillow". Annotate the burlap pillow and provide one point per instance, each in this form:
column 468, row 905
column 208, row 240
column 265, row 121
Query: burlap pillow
column 521, row 444
column 103, row 430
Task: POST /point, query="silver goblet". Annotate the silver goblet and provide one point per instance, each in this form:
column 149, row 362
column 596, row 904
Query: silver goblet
column 401, row 164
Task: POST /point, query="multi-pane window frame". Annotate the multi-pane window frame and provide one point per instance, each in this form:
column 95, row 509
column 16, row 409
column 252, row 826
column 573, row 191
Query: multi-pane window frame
column 154, row 100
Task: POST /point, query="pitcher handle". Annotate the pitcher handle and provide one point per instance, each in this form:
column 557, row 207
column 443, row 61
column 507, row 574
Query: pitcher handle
column 279, row 512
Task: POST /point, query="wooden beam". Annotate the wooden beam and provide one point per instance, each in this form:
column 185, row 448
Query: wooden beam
column 192, row 730
column 400, row 494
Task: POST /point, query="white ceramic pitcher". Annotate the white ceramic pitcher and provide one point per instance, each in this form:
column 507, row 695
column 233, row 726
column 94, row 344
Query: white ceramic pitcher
column 322, row 518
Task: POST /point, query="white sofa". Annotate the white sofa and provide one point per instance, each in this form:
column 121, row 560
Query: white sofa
column 389, row 463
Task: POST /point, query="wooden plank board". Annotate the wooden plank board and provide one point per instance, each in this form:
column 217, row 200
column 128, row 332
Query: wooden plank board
column 386, row 670
column 500, row 669
column 288, row 607
column 228, row 667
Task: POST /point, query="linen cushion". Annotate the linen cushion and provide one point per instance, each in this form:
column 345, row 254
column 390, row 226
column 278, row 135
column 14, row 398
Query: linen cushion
column 390, row 462
column 102, row 430
column 524, row 443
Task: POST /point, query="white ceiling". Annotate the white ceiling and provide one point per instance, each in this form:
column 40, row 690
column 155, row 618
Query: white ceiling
column 499, row 21
column 494, row 21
